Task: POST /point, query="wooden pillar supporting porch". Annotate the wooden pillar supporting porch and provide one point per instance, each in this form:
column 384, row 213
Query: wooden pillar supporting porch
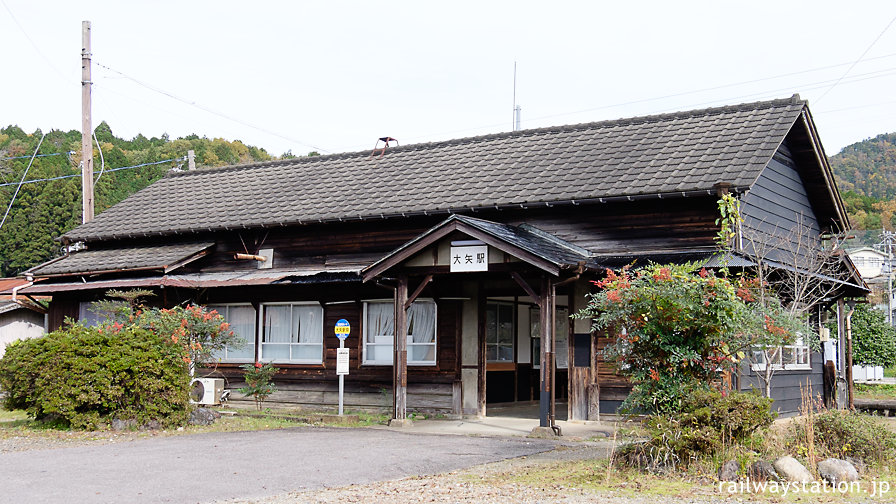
column 400, row 345
column 400, row 357
column 545, row 301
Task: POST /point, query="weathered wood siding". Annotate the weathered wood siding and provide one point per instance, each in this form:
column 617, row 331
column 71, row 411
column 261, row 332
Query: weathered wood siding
column 777, row 212
column 671, row 224
column 367, row 387
column 788, row 386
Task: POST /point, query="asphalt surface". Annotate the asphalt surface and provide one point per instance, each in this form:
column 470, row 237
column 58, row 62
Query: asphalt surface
column 216, row 466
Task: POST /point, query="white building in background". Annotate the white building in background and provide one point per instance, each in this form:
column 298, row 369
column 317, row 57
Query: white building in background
column 874, row 268
column 18, row 322
column 870, row 262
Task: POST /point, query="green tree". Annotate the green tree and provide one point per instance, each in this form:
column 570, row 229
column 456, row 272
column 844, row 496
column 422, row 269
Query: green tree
column 676, row 329
column 874, row 340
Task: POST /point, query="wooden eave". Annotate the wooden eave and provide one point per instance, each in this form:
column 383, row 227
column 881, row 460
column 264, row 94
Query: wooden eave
column 444, row 229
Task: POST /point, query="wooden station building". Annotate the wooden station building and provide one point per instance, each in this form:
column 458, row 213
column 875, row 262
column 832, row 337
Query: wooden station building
column 480, row 247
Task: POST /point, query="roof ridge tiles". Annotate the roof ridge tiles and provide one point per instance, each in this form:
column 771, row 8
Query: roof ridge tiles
column 626, row 121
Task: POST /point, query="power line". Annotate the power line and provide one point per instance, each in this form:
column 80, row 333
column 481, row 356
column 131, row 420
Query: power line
column 210, row 111
column 856, row 62
column 36, row 48
column 13, row 200
column 32, row 181
column 69, row 153
column 815, row 85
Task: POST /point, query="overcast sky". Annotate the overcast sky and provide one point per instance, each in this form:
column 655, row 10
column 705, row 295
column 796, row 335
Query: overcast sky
column 334, row 76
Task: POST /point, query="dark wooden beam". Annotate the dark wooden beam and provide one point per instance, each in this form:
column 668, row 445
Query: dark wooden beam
column 526, row 287
column 546, row 389
column 400, row 357
column 417, row 291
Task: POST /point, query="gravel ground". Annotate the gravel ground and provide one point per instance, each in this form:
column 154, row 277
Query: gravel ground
column 62, row 439
column 459, row 487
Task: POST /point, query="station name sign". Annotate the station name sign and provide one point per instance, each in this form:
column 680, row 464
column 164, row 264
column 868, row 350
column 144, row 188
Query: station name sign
column 469, row 258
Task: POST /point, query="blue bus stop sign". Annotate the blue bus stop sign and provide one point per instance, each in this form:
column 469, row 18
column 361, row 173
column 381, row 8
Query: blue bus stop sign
column 342, row 329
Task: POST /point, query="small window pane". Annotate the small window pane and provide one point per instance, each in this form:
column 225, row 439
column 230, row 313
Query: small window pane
column 242, row 322
column 421, row 333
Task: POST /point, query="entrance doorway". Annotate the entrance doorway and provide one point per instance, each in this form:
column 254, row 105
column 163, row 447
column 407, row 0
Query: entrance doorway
column 513, row 349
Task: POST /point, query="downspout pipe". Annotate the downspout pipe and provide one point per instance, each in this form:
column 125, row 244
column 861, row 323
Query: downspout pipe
column 29, row 281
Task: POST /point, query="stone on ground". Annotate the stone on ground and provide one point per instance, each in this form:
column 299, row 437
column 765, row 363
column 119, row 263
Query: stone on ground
column 790, row 469
column 203, row 416
column 836, row 470
column 728, row 471
column 762, row 471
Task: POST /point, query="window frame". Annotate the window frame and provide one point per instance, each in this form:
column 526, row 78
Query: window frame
column 434, row 344
column 253, row 341
column 513, row 330
column 535, row 341
column 801, row 357
column 261, row 332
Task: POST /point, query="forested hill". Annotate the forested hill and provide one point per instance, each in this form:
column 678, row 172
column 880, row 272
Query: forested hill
column 866, row 176
column 46, row 209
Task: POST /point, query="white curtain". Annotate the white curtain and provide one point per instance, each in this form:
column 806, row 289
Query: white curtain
column 422, row 322
column 242, row 323
column 277, row 324
column 308, row 324
column 380, row 320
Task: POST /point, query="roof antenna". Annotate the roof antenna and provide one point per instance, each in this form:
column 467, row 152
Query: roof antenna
column 516, row 108
column 385, row 140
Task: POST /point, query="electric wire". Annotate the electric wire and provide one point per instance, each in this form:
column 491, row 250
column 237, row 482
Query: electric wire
column 69, row 153
column 102, row 161
column 110, row 170
column 21, row 182
column 208, row 110
column 856, row 62
column 36, row 48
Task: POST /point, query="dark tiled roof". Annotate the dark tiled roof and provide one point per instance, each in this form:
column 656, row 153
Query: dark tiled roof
column 89, row 261
column 671, row 153
column 535, row 241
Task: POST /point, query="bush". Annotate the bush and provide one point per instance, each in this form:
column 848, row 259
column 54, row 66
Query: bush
column 842, row 433
column 706, row 424
column 874, row 339
column 675, row 327
column 86, row 377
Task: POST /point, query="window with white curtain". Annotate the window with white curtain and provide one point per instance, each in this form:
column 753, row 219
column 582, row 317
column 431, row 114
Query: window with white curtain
column 379, row 330
column 293, row 332
column 794, row 356
column 241, row 318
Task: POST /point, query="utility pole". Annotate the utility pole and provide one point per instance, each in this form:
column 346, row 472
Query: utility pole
column 888, row 241
column 86, row 128
column 191, row 159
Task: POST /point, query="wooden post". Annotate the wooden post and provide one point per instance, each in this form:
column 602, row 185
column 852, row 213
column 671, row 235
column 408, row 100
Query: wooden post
column 546, row 389
column 850, row 387
column 400, row 357
column 481, row 353
column 86, row 128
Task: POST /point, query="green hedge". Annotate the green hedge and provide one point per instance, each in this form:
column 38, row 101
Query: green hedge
column 874, row 341
column 86, row 377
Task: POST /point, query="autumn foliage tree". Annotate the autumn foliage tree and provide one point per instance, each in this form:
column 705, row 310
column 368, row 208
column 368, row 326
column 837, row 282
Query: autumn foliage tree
column 678, row 329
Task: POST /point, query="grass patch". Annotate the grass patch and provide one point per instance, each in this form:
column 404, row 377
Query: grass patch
column 594, row 476
column 890, row 372
column 875, row 391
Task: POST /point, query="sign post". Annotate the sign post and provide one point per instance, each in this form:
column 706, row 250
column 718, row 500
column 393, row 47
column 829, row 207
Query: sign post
column 342, row 330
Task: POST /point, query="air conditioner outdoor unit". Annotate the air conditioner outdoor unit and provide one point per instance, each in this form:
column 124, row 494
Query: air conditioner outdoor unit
column 206, row 390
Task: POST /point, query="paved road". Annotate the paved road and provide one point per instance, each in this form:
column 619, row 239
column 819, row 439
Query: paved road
column 216, row 466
